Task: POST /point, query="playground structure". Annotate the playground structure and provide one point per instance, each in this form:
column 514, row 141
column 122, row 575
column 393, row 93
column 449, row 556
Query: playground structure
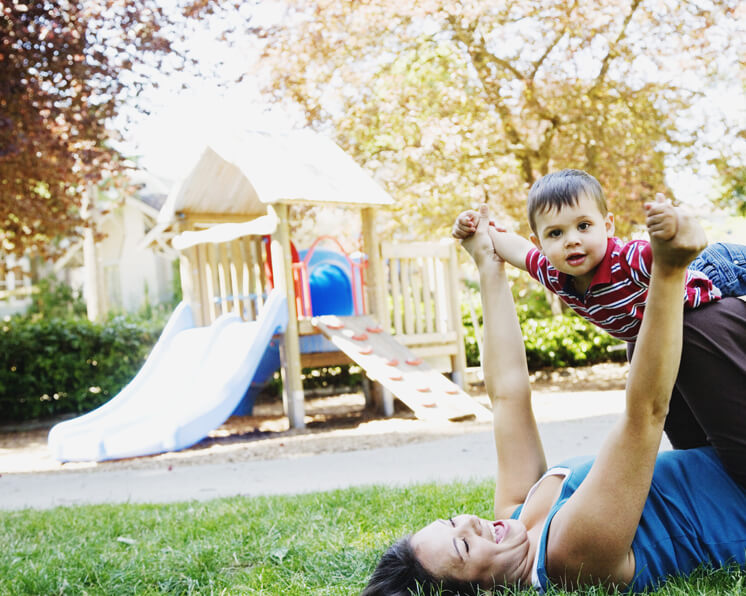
column 227, row 205
column 252, row 303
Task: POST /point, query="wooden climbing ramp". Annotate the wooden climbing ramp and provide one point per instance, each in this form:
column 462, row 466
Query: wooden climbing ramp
column 428, row 393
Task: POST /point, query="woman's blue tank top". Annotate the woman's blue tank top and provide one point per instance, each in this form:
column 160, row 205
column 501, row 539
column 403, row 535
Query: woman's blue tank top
column 695, row 513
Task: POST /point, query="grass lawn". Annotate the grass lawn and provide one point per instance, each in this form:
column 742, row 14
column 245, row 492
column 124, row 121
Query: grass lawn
column 323, row 543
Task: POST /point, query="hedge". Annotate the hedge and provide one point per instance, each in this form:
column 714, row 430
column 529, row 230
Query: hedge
column 567, row 340
column 551, row 341
column 51, row 367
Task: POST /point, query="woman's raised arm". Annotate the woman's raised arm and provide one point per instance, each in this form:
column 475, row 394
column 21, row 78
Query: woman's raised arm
column 591, row 536
column 520, row 455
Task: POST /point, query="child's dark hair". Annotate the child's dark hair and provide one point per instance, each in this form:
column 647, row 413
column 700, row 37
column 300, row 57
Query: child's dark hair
column 399, row 573
column 562, row 189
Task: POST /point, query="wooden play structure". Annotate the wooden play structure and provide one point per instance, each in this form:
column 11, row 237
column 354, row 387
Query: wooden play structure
column 231, row 216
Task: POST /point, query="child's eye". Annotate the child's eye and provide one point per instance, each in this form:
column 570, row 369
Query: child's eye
column 554, row 234
column 584, row 226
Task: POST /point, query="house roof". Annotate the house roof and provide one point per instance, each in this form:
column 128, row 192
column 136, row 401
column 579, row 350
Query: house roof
column 243, row 175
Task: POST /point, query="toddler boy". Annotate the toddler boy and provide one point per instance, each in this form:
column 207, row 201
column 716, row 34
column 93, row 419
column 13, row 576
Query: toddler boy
column 573, row 252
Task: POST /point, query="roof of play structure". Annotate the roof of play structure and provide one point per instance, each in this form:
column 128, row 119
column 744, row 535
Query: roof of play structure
column 241, row 176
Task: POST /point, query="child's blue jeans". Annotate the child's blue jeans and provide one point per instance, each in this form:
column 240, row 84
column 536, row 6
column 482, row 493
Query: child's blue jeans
column 725, row 266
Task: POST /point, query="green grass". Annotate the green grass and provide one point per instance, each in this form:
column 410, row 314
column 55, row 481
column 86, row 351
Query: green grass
column 323, row 543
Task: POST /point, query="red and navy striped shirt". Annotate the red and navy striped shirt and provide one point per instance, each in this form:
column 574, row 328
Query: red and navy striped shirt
column 615, row 299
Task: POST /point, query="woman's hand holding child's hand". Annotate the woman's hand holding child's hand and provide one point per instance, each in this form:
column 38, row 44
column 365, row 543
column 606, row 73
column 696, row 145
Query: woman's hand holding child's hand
column 478, row 244
column 661, row 218
column 466, row 224
column 675, row 236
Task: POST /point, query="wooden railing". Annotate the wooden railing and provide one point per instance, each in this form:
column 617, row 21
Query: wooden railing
column 424, row 313
column 421, row 288
column 226, row 277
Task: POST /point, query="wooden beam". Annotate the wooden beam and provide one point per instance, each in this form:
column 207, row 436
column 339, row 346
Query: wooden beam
column 93, row 283
column 413, row 250
column 331, row 203
column 374, row 273
column 193, row 221
column 188, row 272
column 290, row 352
column 376, row 298
column 319, row 359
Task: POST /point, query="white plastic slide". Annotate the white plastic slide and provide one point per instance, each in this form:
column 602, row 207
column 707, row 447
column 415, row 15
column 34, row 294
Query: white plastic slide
column 190, row 384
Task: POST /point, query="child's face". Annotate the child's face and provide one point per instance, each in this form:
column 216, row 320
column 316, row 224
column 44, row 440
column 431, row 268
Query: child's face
column 574, row 238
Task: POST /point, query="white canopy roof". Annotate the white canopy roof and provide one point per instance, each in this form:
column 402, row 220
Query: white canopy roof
column 241, row 176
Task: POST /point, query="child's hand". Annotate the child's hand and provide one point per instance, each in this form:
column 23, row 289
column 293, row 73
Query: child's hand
column 687, row 241
column 479, row 244
column 465, row 224
column 661, row 218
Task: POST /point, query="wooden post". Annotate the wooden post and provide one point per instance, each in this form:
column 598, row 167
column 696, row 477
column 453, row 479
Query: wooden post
column 377, row 306
column 454, row 283
column 189, row 275
column 374, row 274
column 92, row 286
column 292, row 385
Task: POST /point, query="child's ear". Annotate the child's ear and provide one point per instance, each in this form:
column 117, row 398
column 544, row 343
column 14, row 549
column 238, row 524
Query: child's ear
column 535, row 240
column 609, row 224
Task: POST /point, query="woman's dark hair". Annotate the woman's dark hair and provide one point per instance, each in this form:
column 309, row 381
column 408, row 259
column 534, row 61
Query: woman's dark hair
column 399, row 573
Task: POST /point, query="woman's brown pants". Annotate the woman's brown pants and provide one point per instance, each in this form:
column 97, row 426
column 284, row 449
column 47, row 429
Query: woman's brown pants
column 708, row 403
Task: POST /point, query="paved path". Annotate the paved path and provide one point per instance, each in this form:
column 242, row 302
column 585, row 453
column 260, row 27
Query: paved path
column 574, row 425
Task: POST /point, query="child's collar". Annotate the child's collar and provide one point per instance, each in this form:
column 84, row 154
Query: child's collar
column 602, row 275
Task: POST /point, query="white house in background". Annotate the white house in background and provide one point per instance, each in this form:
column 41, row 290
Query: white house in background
column 129, row 273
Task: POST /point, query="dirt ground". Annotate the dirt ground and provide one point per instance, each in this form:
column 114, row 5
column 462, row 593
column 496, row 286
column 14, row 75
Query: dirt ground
column 334, row 423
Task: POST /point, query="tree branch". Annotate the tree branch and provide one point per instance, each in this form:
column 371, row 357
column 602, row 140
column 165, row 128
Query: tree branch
column 539, row 61
column 476, row 48
column 611, row 54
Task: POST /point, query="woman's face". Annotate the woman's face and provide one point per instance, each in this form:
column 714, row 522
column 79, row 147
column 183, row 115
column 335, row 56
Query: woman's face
column 472, row 549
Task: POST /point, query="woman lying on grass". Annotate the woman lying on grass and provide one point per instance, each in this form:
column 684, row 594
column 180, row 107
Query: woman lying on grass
column 628, row 518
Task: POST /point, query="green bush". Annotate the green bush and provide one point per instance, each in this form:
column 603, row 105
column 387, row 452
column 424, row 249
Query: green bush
column 53, row 361
column 55, row 366
column 565, row 340
column 55, row 299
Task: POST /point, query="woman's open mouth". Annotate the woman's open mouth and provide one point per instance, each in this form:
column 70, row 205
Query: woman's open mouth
column 501, row 531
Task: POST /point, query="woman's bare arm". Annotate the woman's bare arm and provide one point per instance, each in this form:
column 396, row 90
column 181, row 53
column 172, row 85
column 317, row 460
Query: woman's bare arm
column 520, row 455
column 591, row 536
